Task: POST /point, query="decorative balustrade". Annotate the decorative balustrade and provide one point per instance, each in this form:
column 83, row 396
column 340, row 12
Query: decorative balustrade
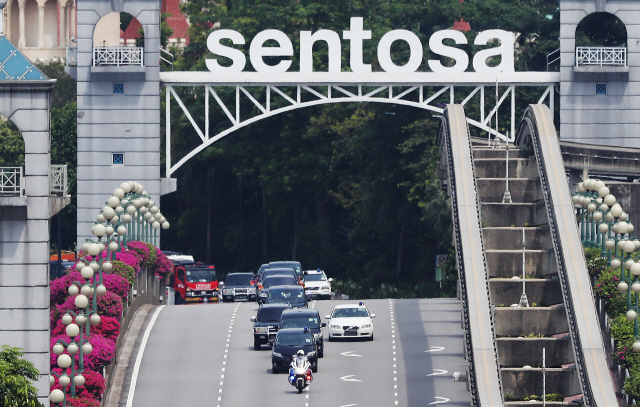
column 118, row 56
column 600, row 56
column 72, row 56
column 58, row 180
column 11, row 181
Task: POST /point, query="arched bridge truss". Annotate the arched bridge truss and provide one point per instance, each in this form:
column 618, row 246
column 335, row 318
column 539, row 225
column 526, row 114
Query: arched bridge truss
column 268, row 97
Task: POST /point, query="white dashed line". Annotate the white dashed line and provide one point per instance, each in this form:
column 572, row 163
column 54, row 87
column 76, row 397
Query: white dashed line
column 226, row 351
column 393, row 347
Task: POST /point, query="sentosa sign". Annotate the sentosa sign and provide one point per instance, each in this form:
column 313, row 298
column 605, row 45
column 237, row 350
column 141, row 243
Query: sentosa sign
column 356, row 36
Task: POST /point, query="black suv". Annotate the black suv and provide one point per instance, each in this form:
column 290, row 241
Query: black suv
column 287, row 294
column 288, row 342
column 305, row 318
column 272, row 281
column 266, row 324
column 239, row 286
column 295, row 265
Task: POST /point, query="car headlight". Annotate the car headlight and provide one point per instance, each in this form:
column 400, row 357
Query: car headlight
column 189, row 289
column 260, row 330
column 278, row 355
column 335, row 326
column 227, row 291
column 311, row 354
column 366, row 326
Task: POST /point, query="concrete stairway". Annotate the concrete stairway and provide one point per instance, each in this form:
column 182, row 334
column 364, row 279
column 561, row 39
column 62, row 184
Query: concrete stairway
column 522, row 333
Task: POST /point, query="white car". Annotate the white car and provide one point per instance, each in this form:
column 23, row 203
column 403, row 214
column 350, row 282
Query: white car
column 317, row 285
column 350, row 321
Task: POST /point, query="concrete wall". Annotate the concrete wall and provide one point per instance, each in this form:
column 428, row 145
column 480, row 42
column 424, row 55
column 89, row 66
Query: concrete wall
column 610, row 119
column 24, row 232
column 126, row 123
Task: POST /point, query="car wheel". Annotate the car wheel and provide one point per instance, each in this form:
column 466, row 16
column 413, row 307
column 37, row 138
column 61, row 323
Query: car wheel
column 331, row 338
column 321, row 353
column 314, row 369
column 257, row 345
column 371, row 338
column 274, row 369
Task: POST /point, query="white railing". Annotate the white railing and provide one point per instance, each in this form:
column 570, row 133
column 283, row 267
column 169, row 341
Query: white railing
column 118, row 56
column 58, row 180
column 610, row 56
column 72, row 56
column 11, row 180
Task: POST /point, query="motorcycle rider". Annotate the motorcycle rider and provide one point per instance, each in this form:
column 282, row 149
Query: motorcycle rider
column 300, row 361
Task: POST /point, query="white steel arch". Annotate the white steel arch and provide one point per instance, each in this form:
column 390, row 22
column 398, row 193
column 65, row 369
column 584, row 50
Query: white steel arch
column 316, row 91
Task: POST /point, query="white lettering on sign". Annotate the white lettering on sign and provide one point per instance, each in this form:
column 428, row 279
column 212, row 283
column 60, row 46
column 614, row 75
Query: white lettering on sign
column 356, row 35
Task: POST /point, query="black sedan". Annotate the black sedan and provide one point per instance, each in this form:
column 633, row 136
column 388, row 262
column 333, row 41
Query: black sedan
column 272, row 281
column 287, row 294
column 288, row 342
column 305, row 317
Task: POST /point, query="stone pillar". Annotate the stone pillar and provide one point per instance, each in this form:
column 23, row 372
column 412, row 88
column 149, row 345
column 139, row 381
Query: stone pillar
column 41, row 23
column 62, row 12
column 7, row 25
column 21, row 24
column 72, row 20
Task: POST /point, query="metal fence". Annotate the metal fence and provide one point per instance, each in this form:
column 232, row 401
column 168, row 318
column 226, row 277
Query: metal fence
column 58, row 180
column 610, row 56
column 11, row 181
column 72, row 56
column 118, row 56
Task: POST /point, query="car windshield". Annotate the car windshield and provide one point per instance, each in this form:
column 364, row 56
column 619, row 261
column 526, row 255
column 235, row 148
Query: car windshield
column 294, row 339
column 300, row 321
column 285, row 296
column 269, row 314
column 284, row 280
column 350, row 312
column 201, row 275
column 238, row 279
column 278, row 272
column 315, row 277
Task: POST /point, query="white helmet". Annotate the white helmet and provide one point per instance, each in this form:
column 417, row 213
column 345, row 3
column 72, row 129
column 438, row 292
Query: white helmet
column 300, row 353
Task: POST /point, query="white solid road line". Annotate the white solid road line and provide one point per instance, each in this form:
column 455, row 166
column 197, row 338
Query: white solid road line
column 442, row 400
column 438, row 372
column 350, row 353
column 136, row 367
column 435, row 349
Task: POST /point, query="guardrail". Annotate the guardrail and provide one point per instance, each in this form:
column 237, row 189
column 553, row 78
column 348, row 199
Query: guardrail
column 72, row 56
column 610, row 56
column 11, row 181
column 58, row 180
column 118, row 56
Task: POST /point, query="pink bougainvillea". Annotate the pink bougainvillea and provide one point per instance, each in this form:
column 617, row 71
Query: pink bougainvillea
column 142, row 249
column 116, row 284
column 109, row 327
column 110, row 305
column 163, row 264
column 130, row 258
column 82, row 402
column 103, row 351
column 93, row 386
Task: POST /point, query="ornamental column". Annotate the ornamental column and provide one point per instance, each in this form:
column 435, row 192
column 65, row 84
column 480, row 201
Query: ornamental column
column 41, row 23
column 7, row 24
column 62, row 12
column 21, row 23
column 72, row 19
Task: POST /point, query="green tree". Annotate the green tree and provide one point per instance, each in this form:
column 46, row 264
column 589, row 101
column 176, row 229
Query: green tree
column 16, row 377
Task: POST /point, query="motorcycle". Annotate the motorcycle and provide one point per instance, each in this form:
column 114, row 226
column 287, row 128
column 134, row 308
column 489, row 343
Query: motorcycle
column 300, row 378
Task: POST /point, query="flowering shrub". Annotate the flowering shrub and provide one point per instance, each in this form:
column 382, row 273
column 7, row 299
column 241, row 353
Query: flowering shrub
column 109, row 305
column 142, row 249
column 130, row 258
column 153, row 255
column 597, row 266
column 163, row 264
column 116, row 284
column 607, row 284
column 109, row 327
column 103, row 351
column 93, row 386
column 82, row 402
column 58, row 287
column 123, row 270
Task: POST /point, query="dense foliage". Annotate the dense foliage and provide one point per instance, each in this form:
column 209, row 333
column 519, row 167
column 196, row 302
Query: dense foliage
column 350, row 188
column 16, row 379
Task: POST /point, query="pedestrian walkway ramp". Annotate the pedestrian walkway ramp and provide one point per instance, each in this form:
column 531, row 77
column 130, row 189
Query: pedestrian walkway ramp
column 503, row 244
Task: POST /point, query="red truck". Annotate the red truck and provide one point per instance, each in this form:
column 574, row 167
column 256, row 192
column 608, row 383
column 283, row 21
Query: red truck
column 194, row 282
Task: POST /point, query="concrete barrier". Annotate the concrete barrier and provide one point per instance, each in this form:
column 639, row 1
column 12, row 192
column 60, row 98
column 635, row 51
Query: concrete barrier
column 518, row 352
column 521, row 383
column 516, row 322
column 517, row 214
column 508, row 263
column 521, row 189
column 540, row 291
column 518, row 168
column 508, row 238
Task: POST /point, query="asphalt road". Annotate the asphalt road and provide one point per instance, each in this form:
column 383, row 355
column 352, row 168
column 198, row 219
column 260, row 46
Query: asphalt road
column 203, row 355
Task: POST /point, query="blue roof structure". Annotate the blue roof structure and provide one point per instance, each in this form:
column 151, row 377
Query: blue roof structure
column 14, row 66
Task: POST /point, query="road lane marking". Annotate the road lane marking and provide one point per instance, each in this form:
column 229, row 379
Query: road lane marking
column 442, row 400
column 350, row 353
column 393, row 347
column 349, row 405
column 349, row 378
column 438, row 372
column 136, row 366
column 435, row 349
column 224, row 362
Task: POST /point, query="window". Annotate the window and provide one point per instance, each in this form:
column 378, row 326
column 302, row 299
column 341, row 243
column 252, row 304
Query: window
column 118, row 158
column 601, row 89
column 118, row 88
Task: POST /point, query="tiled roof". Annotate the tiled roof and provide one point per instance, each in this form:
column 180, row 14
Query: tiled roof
column 14, row 66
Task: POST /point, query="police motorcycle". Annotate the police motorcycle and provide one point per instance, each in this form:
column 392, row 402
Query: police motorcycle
column 300, row 372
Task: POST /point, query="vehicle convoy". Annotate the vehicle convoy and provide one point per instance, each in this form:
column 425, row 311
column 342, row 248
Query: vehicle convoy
column 305, row 317
column 239, row 286
column 271, row 281
column 288, row 342
column 299, row 373
column 280, row 272
column 350, row 321
column 295, row 265
column 287, row 294
column 266, row 324
column 317, row 285
column 194, row 282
